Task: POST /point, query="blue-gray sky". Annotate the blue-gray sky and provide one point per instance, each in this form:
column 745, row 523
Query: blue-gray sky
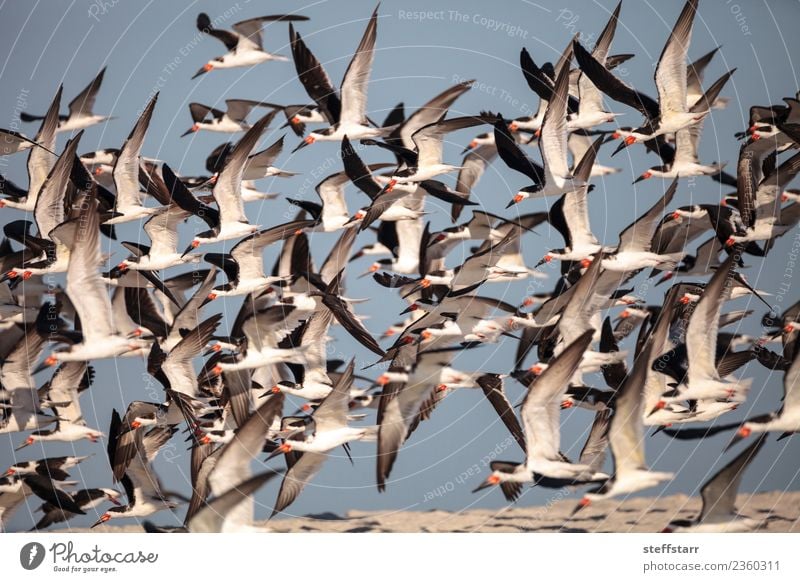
column 421, row 50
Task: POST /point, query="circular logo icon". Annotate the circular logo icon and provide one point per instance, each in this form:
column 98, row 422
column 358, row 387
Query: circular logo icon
column 31, row 555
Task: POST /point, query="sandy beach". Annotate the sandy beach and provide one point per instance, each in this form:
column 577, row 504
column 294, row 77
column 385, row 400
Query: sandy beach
column 643, row 514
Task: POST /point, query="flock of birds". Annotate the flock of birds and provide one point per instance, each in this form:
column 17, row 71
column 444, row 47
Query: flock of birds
column 683, row 361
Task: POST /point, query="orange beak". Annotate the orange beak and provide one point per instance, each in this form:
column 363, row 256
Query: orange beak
column 493, row 480
column 382, row 380
column 744, row 432
column 630, row 140
column 212, row 296
column 295, row 120
column 207, row 67
column 216, row 370
column 136, row 424
column 441, row 387
column 513, row 126
column 585, row 263
column 276, row 389
column 195, row 244
column 309, row 139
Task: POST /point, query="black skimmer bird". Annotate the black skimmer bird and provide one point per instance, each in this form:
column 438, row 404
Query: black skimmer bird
column 554, row 178
column 81, row 113
column 244, row 265
column 424, row 162
column 540, row 412
column 232, row 221
column 703, row 379
column 232, row 120
column 15, row 489
column 626, row 439
column 86, row 499
column 142, row 486
column 330, row 431
column 63, row 391
column 244, row 42
column 344, row 110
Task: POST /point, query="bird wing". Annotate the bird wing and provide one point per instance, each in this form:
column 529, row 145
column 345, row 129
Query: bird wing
column 49, row 210
column 126, row 167
column 85, row 287
column 428, row 139
column 211, row 517
column 228, row 188
column 233, row 461
column 553, row 138
column 226, row 37
column 83, row 104
column 314, row 78
column 542, row 404
column 347, row 319
column 332, row 412
column 41, row 159
column 248, row 252
column 639, row 235
column 162, row 228
column 429, row 113
column 64, row 388
column 703, row 327
column 719, row 492
column 250, row 30
column 612, row 86
column 356, row 78
column 198, row 111
column 513, row 156
column 177, row 366
column 303, row 471
column 492, row 387
column 239, row 109
column 670, row 75
column 256, row 166
column 686, row 141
